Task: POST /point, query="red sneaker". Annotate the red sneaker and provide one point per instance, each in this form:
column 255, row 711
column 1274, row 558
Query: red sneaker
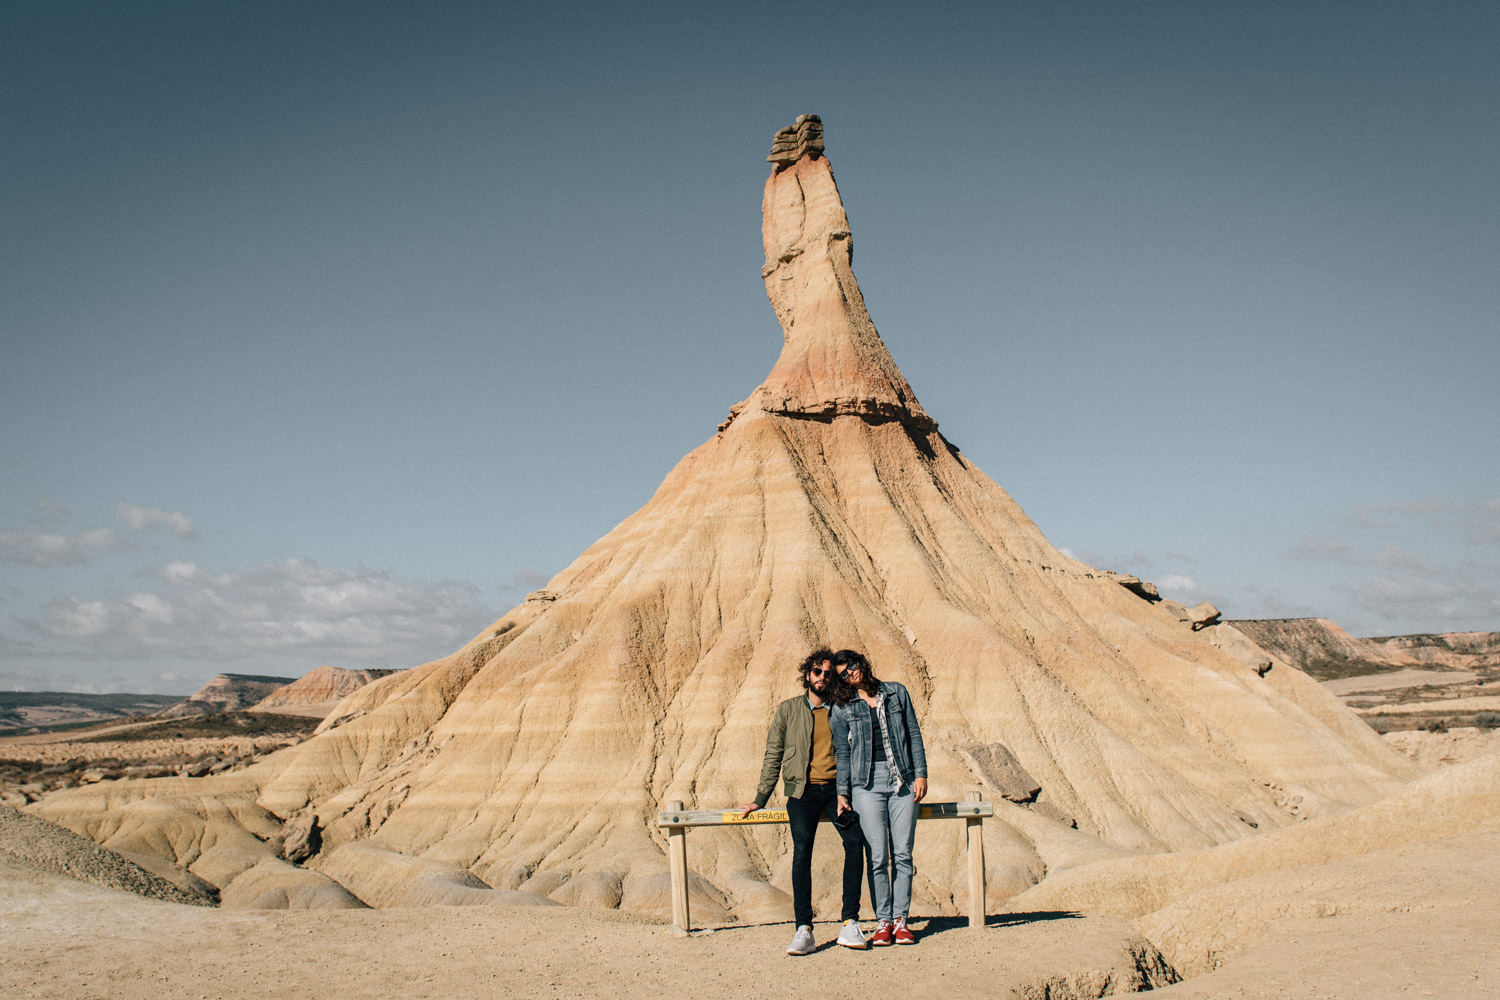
column 903, row 932
column 882, row 935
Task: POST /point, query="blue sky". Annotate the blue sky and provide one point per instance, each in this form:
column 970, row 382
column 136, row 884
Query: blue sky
column 330, row 330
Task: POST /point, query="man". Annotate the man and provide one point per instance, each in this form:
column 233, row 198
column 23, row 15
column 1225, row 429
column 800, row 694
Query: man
column 799, row 747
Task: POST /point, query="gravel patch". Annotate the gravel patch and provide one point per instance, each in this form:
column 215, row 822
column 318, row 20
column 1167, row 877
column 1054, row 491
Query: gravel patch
column 46, row 846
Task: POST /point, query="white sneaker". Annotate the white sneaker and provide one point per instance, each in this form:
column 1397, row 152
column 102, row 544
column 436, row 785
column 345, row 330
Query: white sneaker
column 802, row 941
column 852, row 937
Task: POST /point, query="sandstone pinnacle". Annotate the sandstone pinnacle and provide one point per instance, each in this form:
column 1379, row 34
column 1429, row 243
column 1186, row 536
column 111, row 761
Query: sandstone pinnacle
column 827, row 512
column 833, row 362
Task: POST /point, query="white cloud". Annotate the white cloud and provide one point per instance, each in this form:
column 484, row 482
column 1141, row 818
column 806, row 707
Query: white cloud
column 140, row 519
column 51, row 548
column 1180, row 588
column 287, row 608
column 1423, row 600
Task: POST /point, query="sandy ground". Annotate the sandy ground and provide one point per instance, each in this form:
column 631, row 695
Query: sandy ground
column 62, row 938
column 1345, row 686
column 1433, row 750
column 1481, row 703
column 1362, row 957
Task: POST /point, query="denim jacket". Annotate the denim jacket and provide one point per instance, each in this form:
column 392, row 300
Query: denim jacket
column 854, row 726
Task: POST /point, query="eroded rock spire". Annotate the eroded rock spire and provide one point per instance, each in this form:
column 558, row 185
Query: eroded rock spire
column 833, row 362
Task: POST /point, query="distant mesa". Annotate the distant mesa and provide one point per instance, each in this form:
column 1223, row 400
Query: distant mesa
column 226, row 693
column 315, row 693
column 28, row 709
column 1326, row 651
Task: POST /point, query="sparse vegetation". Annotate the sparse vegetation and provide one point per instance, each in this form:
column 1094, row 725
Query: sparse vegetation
column 1436, row 725
column 218, row 724
column 1487, row 720
column 49, row 711
column 1327, row 668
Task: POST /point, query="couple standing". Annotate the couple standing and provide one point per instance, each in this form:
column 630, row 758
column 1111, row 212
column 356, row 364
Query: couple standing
column 850, row 748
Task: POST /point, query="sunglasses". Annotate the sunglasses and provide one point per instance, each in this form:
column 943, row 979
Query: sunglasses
column 853, row 668
column 818, row 671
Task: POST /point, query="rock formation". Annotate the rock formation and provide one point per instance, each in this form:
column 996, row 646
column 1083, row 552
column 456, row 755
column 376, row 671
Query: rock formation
column 827, row 510
column 226, row 693
column 1201, row 906
column 803, row 139
column 316, row 692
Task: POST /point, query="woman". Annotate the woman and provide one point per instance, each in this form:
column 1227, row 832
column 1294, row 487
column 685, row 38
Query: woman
column 882, row 775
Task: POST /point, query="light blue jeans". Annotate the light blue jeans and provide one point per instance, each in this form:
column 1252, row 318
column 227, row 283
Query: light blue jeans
column 884, row 812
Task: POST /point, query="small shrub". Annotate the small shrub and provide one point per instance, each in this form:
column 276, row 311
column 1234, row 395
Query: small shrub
column 1436, row 725
column 1487, row 720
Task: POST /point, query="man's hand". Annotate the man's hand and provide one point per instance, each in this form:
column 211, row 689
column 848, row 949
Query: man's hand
column 748, row 808
column 919, row 789
column 843, row 804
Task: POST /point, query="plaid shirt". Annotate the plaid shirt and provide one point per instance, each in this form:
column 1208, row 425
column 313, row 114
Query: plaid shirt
column 885, row 737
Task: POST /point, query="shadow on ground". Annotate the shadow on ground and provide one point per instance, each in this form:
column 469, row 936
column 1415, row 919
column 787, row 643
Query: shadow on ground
column 938, row 925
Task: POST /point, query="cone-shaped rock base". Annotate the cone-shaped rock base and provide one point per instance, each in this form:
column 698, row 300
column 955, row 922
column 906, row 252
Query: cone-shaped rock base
column 827, row 511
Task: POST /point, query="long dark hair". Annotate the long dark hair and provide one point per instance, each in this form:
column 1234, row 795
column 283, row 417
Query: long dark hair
column 868, row 682
column 814, row 658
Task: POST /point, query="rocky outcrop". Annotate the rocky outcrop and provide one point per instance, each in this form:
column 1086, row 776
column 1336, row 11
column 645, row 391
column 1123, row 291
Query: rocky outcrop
column 833, row 362
column 1457, row 650
column 1321, row 648
column 803, row 139
column 1202, row 615
column 226, row 693
column 1202, row 906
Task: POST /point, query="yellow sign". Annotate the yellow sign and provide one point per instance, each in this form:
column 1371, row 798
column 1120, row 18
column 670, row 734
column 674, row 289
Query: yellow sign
column 760, row 816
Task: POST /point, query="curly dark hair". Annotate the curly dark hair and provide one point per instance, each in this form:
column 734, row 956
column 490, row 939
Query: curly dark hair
column 814, row 658
column 868, row 682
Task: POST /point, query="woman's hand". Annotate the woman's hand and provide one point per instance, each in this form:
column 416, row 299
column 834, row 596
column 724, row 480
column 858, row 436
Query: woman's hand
column 747, row 809
column 843, row 804
column 919, row 789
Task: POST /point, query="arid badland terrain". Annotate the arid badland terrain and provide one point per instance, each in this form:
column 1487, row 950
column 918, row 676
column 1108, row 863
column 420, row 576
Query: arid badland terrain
column 1176, row 799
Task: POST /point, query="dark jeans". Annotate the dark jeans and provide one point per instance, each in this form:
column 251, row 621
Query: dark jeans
column 803, row 814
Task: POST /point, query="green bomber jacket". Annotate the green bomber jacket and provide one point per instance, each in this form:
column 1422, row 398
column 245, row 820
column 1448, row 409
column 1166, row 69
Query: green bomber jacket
column 788, row 750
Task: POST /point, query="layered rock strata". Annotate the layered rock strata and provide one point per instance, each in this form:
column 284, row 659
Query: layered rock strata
column 316, row 692
column 226, row 693
column 828, row 511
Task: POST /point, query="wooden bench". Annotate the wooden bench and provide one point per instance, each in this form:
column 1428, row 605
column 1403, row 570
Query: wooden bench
column 676, row 820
